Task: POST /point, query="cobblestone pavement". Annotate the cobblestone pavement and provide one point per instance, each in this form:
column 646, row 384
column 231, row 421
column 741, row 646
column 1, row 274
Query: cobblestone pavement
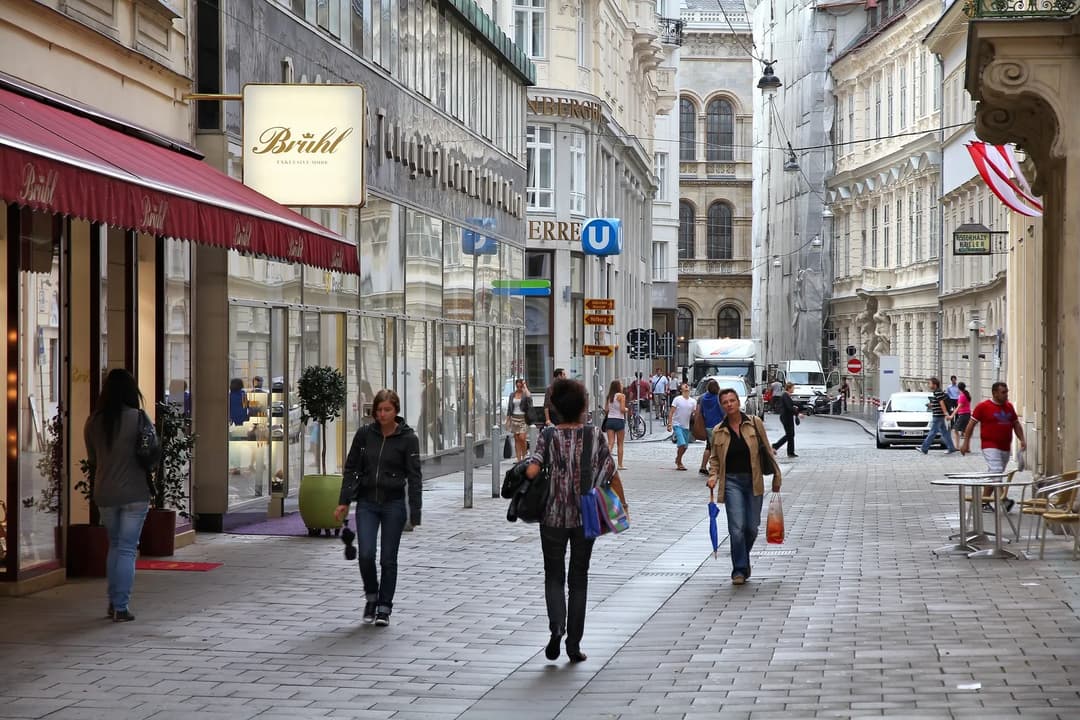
column 852, row 616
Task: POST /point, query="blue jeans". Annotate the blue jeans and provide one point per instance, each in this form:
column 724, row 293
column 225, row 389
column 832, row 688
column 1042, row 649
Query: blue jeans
column 124, row 525
column 369, row 516
column 743, row 510
column 938, row 426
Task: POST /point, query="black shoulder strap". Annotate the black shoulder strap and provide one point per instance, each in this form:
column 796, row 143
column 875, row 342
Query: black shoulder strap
column 586, row 459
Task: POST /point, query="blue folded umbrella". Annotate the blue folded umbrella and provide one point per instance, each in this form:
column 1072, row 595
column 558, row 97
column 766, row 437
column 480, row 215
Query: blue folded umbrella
column 714, row 510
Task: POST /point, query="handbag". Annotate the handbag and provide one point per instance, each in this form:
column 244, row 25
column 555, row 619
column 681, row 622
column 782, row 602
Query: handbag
column 506, row 447
column 765, row 458
column 697, row 425
column 147, row 445
column 588, row 497
column 530, row 498
column 613, row 514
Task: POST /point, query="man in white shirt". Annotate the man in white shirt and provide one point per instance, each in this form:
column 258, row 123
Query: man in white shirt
column 659, row 384
column 682, row 409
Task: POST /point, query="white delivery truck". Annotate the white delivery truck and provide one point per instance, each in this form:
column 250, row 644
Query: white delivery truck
column 738, row 357
column 808, row 378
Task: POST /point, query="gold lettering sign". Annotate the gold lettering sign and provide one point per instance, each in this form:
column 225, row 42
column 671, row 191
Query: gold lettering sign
column 554, row 230
column 279, row 140
column 37, row 187
column 566, row 107
column 154, row 213
column 242, row 235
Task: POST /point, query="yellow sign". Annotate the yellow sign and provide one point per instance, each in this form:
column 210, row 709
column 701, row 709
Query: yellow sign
column 304, row 144
column 599, row 304
column 598, row 319
column 599, row 350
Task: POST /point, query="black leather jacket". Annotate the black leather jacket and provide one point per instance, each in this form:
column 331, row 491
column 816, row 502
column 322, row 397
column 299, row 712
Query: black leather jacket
column 526, row 405
column 380, row 469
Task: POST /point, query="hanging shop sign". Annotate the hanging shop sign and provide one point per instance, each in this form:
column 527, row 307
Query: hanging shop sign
column 304, row 144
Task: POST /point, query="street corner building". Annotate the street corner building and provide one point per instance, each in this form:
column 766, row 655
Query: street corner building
column 134, row 236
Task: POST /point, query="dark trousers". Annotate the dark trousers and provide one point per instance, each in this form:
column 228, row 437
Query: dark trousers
column 391, row 515
column 789, row 435
column 553, row 542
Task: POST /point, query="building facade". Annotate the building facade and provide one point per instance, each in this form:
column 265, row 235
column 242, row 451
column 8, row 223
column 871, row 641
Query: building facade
column 715, row 175
column 884, row 194
column 589, row 149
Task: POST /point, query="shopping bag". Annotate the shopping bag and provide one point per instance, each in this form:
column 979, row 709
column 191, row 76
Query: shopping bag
column 613, row 516
column 590, row 514
column 507, row 452
column 774, row 526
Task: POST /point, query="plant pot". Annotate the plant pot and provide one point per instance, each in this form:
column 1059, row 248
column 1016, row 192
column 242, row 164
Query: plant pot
column 318, row 500
column 88, row 549
column 158, row 538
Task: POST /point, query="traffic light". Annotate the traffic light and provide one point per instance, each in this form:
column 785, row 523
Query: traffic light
column 851, row 350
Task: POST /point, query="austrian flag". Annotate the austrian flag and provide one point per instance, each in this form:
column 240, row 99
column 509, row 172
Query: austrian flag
column 999, row 170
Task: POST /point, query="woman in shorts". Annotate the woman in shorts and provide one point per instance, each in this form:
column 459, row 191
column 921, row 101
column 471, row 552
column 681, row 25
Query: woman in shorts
column 615, row 423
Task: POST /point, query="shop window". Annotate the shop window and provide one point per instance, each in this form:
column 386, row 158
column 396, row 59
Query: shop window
column 177, row 327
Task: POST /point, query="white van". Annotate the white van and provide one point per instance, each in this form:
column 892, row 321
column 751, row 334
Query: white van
column 808, row 378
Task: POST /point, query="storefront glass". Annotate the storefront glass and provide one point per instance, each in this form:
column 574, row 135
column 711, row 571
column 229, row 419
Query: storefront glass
column 458, row 286
column 249, row 402
column 176, row 321
column 382, row 285
column 40, row 369
column 424, row 272
column 483, row 393
column 253, row 278
column 454, row 388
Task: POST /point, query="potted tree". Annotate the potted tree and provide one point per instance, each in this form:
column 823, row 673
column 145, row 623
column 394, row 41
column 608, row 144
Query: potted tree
column 322, row 397
column 168, row 483
column 88, row 544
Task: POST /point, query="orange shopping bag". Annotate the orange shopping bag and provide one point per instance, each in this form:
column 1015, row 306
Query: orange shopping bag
column 774, row 526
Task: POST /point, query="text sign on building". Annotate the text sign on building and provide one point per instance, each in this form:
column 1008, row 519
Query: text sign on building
column 971, row 243
column 599, row 319
column 598, row 350
column 602, row 236
column 304, row 144
column 599, row 303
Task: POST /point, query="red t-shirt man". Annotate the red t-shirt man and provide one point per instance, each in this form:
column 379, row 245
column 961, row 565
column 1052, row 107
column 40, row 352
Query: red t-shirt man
column 996, row 423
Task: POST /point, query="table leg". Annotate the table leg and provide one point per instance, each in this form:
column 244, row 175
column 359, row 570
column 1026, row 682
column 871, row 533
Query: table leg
column 963, row 546
column 997, row 551
column 978, row 533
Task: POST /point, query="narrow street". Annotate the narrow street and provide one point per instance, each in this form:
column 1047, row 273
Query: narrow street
column 853, row 616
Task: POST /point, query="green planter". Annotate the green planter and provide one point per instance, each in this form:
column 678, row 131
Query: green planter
column 318, row 500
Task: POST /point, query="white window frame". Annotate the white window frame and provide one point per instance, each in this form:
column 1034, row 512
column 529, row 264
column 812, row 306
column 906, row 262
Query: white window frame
column 660, row 166
column 529, row 16
column 578, row 175
column 541, row 190
column 659, row 260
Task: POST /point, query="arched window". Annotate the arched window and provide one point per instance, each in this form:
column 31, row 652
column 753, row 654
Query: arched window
column 687, row 132
column 684, row 333
column 718, row 232
column 728, row 323
column 686, row 230
column 719, row 131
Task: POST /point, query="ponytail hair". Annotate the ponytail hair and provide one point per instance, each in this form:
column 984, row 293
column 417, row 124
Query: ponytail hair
column 963, row 389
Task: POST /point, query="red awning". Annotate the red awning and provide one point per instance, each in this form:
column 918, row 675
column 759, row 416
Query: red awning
column 61, row 162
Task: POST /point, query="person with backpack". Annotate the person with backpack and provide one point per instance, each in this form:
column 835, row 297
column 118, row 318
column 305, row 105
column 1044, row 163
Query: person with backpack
column 562, row 448
column 381, row 473
column 709, row 407
column 120, row 482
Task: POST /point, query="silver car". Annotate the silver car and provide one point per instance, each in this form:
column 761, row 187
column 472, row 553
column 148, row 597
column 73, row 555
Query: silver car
column 904, row 420
column 748, row 399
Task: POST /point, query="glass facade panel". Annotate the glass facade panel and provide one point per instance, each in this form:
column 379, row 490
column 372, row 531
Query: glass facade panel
column 253, row 278
column 453, row 388
column 373, row 351
column 485, row 308
column 176, row 326
column 382, row 284
column 424, row 272
column 249, row 402
column 457, row 275
column 485, row 399
column 40, row 368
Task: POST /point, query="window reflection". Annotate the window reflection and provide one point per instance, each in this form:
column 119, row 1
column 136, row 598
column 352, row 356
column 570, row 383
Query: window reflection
column 423, row 274
column 457, row 275
column 381, row 282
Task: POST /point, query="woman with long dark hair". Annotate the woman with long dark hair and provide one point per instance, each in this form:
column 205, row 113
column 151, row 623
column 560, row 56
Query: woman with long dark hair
column 121, row 490
column 561, row 525
column 381, row 472
column 615, row 422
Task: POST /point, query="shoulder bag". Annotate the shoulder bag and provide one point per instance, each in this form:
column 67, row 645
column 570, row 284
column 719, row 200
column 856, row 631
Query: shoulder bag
column 530, row 496
column 765, row 458
column 697, row 424
column 147, row 445
column 589, row 498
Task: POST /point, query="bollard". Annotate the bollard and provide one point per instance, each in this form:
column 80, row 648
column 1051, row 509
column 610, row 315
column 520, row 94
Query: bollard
column 496, row 462
column 468, row 469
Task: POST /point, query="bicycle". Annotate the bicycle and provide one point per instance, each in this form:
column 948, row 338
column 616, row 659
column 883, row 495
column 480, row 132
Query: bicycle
column 635, row 424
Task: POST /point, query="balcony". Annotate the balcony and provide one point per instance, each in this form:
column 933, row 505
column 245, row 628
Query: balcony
column 671, row 31
column 713, row 267
column 1017, row 9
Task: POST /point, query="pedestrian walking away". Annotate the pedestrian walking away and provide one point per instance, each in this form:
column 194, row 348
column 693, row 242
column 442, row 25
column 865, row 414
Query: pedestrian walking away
column 551, row 415
column 789, row 418
column 381, row 472
column 615, row 422
column 997, row 421
column 682, row 411
column 518, row 407
column 939, row 409
column 709, row 407
column 736, row 473
column 961, row 414
column 777, row 390
column 659, row 389
column 561, row 525
column 121, row 483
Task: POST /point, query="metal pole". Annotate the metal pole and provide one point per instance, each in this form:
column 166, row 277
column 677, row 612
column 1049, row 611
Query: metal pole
column 496, row 461
column 468, row 469
column 973, row 355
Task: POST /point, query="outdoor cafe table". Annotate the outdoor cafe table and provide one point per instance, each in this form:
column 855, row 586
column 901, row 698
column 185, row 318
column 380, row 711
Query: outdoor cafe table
column 977, row 481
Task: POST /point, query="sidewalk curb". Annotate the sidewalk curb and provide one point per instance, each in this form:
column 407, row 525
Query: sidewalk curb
column 872, row 431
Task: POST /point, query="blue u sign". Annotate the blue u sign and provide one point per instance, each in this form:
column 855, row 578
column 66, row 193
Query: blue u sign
column 602, row 236
column 476, row 243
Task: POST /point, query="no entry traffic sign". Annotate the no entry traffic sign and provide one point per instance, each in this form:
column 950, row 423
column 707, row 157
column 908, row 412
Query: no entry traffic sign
column 854, row 366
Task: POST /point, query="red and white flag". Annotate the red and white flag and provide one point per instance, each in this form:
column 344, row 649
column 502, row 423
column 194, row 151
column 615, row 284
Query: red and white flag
column 1001, row 172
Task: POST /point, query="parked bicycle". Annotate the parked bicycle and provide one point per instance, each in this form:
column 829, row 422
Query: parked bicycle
column 635, row 424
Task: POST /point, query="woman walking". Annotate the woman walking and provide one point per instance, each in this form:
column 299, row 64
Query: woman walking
column 711, row 412
column 121, row 488
column 615, row 424
column 518, row 406
column 561, row 524
column 383, row 466
column 735, row 471
column 961, row 415
column 682, row 409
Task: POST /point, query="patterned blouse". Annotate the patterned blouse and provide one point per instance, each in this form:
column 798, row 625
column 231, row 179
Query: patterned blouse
column 564, row 458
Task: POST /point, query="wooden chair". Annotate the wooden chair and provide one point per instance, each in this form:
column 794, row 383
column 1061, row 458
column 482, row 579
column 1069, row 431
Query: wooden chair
column 1063, row 509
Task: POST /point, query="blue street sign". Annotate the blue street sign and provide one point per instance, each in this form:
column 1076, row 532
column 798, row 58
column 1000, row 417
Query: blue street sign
column 475, row 243
column 602, row 236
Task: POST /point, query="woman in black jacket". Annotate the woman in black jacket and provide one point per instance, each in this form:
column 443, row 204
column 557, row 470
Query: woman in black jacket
column 383, row 463
column 518, row 407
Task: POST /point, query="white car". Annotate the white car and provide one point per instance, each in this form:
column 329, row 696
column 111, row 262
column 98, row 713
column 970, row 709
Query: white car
column 748, row 399
column 904, row 420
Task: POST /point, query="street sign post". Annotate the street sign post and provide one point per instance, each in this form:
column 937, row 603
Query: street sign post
column 599, row 303
column 599, row 319
column 854, row 366
column 598, row 350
